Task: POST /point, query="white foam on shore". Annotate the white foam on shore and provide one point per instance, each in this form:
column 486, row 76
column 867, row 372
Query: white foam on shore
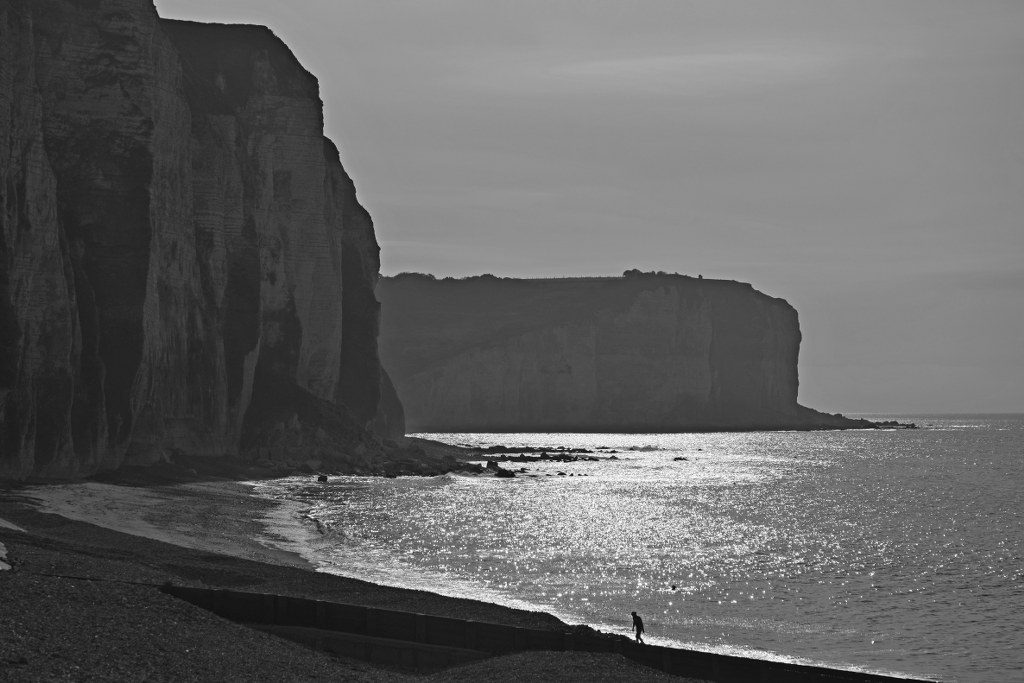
column 385, row 570
column 4, row 524
column 332, row 551
column 293, row 525
column 284, row 530
column 107, row 506
column 215, row 517
column 294, row 528
column 228, row 518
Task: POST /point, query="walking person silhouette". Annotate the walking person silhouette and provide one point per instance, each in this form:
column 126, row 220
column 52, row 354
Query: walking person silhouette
column 638, row 626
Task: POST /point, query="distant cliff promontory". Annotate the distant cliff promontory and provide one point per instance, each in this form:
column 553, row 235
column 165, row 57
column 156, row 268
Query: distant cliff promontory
column 642, row 352
column 184, row 267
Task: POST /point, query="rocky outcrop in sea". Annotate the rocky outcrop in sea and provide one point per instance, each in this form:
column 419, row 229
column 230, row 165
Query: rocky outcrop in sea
column 184, row 265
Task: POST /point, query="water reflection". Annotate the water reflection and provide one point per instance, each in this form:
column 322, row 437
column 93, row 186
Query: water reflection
column 887, row 550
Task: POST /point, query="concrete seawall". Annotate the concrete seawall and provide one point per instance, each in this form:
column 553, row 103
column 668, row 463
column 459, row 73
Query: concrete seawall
column 424, row 642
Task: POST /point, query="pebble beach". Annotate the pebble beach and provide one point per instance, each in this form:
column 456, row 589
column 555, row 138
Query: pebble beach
column 81, row 600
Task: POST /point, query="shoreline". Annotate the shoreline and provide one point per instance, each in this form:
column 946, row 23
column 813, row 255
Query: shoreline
column 180, row 515
column 843, row 423
column 50, row 524
column 226, row 519
column 450, row 588
column 83, row 600
column 412, row 455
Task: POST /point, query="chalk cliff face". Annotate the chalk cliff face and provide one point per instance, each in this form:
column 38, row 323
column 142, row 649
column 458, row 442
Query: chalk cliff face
column 184, row 267
column 637, row 353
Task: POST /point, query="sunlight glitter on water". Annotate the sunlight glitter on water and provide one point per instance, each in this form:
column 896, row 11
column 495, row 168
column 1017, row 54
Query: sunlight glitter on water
column 871, row 549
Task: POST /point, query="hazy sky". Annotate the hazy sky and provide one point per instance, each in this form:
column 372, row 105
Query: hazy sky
column 863, row 160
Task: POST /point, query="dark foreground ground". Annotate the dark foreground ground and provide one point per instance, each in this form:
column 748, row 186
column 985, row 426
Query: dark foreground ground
column 82, row 603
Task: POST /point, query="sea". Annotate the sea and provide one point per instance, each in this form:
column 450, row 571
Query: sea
column 896, row 551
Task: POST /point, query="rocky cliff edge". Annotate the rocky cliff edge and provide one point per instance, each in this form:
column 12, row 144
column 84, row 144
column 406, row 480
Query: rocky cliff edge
column 184, row 266
column 646, row 352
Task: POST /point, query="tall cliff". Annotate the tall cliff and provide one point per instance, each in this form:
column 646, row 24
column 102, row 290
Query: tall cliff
column 184, row 267
column 643, row 352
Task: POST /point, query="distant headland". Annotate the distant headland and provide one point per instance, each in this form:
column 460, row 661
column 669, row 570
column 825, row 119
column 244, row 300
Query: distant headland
column 644, row 352
column 185, row 271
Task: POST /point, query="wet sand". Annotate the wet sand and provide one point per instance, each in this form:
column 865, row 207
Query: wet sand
column 81, row 600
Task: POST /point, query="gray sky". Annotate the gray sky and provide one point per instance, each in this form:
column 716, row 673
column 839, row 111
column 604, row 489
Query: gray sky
column 862, row 159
